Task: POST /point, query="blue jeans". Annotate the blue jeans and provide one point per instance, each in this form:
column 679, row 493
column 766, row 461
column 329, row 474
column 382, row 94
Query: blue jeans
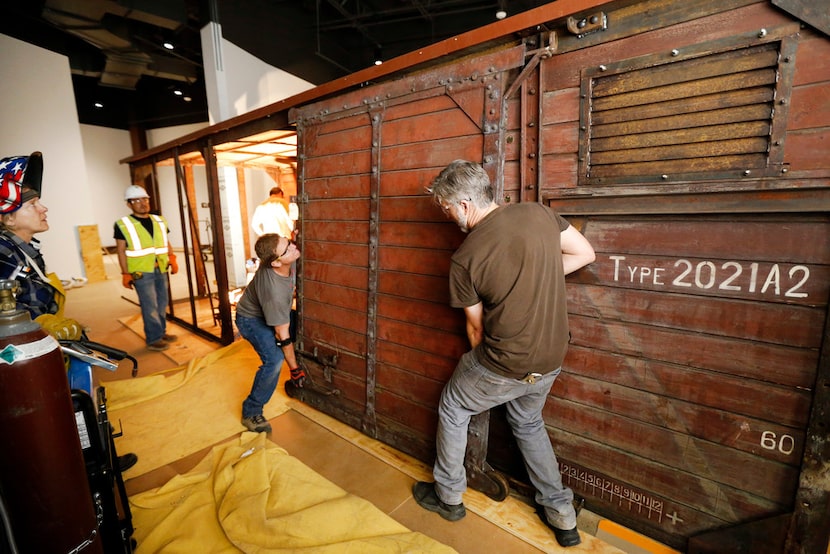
column 474, row 389
column 262, row 338
column 153, row 299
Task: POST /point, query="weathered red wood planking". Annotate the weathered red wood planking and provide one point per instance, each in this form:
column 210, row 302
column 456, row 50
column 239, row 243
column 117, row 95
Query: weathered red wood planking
column 439, row 153
column 730, row 237
column 764, row 362
column 810, row 107
column 717, row 426
column 419, row 337
column 415, row 309
column 411, row 182
column 340, row 275
column 337, row 187
column 815, row 66
column 734, row 394
column 715, row 499
column 699, row 459
column 776, row 323
column 427, row 287
column 337, row 295
column 345, row 163
column 419, row 363
column 448, row 123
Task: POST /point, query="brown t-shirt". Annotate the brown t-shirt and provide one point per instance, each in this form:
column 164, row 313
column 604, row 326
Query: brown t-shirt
column 512, row 262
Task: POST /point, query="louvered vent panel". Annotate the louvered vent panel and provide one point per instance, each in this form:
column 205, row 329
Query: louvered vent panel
column 704, row 118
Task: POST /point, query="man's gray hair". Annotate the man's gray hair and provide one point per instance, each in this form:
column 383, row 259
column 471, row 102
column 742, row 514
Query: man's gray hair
column 463, row 180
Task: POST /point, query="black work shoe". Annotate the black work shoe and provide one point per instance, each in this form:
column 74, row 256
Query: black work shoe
column 126, row 461
column 257, row 424
column 565, row 537
column 424, row 494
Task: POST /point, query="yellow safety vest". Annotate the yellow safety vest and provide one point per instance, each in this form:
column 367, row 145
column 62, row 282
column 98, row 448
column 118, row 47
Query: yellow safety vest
column 145, row 251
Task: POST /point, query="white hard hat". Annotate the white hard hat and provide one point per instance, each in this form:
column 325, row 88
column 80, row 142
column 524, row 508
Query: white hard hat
column 135, row 191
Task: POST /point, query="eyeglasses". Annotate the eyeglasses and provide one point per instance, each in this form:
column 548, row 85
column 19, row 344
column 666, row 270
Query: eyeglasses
column 284, row 252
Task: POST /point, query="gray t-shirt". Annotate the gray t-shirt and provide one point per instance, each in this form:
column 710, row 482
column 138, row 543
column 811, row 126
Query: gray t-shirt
column 268, row 296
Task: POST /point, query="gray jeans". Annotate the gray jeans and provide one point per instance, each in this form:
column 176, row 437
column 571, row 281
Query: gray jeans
column 473, row 389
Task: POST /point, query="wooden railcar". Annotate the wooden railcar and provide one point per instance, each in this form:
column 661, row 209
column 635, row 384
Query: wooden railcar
column 689, row 143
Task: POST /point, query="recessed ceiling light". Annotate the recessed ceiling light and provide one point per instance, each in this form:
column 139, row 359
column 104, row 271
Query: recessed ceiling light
column 98, row 105
column 168, row 45
column 187, row 98
column 177, row 92
column 501, row 14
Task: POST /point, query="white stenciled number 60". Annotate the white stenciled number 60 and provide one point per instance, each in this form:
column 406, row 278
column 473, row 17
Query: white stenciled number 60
column 784, row 444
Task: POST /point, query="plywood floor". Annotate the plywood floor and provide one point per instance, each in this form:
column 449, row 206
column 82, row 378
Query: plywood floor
column 353, row 461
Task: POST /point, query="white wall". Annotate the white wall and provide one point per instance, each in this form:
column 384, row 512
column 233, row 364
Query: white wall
column 106, row 178
column 38, row 113
column 253, row 84
column 238, row 82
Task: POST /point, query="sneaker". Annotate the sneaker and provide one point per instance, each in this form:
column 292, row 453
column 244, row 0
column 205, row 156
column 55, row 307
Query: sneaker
column 168, row 337
column 158, row 346
column 257, row 424
column 424, row 494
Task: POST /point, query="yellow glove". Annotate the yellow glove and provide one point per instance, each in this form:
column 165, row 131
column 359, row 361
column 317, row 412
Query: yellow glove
column 62, row 328
column 174, row 265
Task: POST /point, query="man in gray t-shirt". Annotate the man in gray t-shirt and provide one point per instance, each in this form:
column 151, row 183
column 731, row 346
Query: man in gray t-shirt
column 263, row 317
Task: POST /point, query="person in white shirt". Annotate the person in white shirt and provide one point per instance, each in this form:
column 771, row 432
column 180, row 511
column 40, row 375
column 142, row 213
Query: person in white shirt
column 271, row 216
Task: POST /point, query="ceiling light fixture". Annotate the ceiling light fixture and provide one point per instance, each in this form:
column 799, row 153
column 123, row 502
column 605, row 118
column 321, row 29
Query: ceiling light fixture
column 378, row 56
column 501, row 14
column 98, row 105
column 177, row 92
column 168, row 45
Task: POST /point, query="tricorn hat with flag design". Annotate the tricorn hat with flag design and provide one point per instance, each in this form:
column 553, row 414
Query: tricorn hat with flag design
column 20, row 180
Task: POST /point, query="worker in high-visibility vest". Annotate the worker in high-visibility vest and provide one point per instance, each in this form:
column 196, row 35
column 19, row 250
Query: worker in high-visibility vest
column 145, row 255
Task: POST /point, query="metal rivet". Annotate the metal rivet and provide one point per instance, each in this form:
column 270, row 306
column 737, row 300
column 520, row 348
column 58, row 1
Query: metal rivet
column 664, row 176
column 602, row 68
column 675, row 52
column 784, row 170
column 762, row 33
column 747, row 172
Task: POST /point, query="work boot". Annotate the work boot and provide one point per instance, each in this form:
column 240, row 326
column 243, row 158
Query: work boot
column 169, row 337
column 158, row 346
column 257, row 424
column 126, row 461
column 425, row 496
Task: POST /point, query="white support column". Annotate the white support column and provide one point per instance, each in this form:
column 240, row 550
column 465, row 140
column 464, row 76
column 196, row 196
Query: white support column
column 216, row 87
column 232, row 227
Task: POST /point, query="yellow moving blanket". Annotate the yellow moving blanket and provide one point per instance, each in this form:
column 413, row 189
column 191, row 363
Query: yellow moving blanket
column 250, row 495
column 168, row 415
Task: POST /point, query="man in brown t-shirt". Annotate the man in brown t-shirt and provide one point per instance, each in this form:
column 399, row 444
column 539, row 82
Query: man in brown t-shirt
column 508, row 276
